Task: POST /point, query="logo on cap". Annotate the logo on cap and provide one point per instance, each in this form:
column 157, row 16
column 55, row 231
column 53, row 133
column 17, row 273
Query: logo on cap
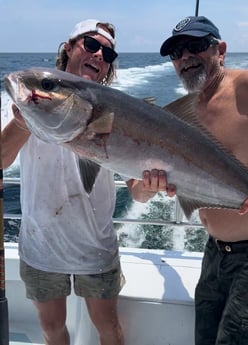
column 182, row 24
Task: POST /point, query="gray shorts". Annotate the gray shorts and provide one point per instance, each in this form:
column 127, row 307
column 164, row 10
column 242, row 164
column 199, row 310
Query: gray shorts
column 43, row 286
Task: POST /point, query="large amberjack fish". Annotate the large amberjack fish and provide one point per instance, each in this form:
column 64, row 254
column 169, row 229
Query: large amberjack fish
column 127, row 135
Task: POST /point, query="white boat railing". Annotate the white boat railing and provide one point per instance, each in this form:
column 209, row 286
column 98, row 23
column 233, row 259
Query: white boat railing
column 178, row 221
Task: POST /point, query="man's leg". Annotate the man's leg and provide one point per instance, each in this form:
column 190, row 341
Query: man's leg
column 101, row 294
column 209, row 298
column 52, row 316
column 103, row 313
column 48, row 292
column 233, row 328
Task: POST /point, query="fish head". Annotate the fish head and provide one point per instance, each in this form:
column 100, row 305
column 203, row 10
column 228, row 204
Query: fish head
column 52, row 105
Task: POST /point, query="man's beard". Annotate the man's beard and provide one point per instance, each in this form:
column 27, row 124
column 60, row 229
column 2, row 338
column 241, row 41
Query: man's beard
column 194, row 82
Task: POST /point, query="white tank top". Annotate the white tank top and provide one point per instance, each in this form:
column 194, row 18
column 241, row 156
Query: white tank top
column 63, row 228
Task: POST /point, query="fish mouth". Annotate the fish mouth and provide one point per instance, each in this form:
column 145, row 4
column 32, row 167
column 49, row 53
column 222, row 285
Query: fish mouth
column 13, row 86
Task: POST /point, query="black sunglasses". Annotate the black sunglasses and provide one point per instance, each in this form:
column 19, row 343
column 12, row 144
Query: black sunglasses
column 91, row 45
column 194, row 46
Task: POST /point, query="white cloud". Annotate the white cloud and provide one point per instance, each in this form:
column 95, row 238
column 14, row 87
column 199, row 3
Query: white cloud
column 243, row 24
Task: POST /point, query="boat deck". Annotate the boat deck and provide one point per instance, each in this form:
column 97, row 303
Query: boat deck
column 156, row 305
column 20, row 337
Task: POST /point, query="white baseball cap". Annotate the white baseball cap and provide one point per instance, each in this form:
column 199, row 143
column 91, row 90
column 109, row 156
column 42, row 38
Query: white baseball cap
column 90, row 25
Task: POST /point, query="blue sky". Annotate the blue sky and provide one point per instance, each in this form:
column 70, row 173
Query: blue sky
column 142, row 25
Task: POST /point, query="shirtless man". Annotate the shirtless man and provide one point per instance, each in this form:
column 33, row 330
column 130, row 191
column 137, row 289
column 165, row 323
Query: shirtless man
column 221, row 297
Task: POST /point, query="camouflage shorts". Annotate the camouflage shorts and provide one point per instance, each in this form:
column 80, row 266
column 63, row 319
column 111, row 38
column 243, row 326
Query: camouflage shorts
column 43, row 286
column 221, row 298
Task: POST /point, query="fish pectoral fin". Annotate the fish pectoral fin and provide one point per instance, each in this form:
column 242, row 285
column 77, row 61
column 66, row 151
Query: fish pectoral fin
column 102, row 125
column 88, row 173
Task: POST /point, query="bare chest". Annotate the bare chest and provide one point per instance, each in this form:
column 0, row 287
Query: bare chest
column 223, row 119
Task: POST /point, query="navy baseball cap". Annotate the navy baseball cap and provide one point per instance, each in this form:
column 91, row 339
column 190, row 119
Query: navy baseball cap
column 190, row 26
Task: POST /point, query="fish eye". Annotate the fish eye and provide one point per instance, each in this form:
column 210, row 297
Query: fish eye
column 48, row 84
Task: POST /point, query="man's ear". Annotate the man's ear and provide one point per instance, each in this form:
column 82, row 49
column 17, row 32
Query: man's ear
column 222, row 50
column 67, row 48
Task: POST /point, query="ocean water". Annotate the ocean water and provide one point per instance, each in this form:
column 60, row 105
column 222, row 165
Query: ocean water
column 140, row 75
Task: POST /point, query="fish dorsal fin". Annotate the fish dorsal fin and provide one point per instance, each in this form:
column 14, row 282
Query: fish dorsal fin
column 88, row 173
column 184, row 108
column 102, row 125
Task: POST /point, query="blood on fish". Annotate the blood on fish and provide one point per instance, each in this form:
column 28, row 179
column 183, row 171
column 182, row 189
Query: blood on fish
column 103, row 142
column 34, row 97
column 244, row 207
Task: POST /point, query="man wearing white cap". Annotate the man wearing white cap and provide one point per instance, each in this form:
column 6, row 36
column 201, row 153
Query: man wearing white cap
column 66, row 231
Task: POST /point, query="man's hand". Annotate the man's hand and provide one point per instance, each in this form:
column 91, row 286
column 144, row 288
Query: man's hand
column 153, row 181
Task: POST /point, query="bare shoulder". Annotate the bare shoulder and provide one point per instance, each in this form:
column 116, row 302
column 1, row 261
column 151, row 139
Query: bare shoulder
column 238, row 80
column 239, row 76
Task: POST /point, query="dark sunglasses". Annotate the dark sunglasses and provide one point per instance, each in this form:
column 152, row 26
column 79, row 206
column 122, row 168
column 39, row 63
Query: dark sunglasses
column 91, row 45
column 194, row 46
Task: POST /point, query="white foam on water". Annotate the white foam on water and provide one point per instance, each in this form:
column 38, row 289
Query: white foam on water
column 135, row 236
column 6, row 116
column 6, row 112
column 136, row 76
column 181, row 91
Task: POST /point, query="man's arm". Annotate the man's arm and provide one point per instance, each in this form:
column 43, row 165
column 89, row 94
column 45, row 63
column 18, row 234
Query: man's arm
column 14, row 135
column 153, row 181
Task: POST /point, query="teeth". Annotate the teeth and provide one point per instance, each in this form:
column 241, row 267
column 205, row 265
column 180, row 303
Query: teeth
column 188, row 67
column 92, row 66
